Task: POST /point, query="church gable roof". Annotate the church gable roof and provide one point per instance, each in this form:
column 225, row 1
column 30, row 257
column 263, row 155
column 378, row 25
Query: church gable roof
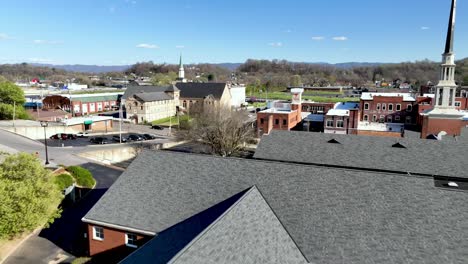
column 201, row 90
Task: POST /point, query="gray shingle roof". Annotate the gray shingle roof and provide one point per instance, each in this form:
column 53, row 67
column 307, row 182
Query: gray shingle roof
column 201, row 90
column 333, row 215
column 429, row 157
column 137, row 89
column 242, row 229
column 153, row 96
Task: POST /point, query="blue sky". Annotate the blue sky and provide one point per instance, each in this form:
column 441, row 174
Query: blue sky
column 116, row 32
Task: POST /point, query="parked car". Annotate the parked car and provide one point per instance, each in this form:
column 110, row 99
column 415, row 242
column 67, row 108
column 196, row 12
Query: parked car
column 117, row 139
column 99, row 140
column 157, row 127
column 82, row 134
column 70, row 136
column 56, row 136
column 62, row 136
column 135, row 137
column 148, row 136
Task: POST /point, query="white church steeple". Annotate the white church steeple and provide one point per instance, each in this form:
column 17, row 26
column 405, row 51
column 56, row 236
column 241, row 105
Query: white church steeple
column 446, row 88
column 181, row 77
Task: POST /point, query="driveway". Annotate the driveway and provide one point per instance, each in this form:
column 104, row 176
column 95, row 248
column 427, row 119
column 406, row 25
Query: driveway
column 64, row 238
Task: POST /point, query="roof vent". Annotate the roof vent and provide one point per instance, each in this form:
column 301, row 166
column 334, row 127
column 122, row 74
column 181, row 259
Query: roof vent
column 334, row 141
column 398, row 145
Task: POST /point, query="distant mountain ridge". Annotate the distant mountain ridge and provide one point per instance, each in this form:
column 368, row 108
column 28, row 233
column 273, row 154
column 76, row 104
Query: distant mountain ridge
column 229, row 66
column 86, row 68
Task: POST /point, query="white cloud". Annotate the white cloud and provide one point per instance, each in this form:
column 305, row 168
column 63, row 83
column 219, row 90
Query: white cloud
column 276, row 44
column 342, row 38
column 41, row 41
column 180, row 47
column 425, row 28
column 318, row 38
column 147, row 46
column 4, row 36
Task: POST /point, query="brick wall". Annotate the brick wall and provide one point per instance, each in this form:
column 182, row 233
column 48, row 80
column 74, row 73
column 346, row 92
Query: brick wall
column 379, row 133
column 277, row 121
column 436, row 125
column 389, row 108
column 113, row 242
column 101, row 126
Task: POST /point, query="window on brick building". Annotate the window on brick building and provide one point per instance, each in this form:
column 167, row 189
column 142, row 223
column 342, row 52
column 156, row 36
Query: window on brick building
column 98, row 233
column 389, row 119
column 397, row 118
column 339, row 123
column 131, row 240
column 284, row 122
column 409, row 108
column 366, row 106
column 384, row 107
column 366, row 118
column 398, row 107
column 378, row 107
column 276, row 121
column 457, row 104
column 261, row 121
column 390, row 107
column 382, row 119
column 408, row 120
column 330, row 123
column 374, row 118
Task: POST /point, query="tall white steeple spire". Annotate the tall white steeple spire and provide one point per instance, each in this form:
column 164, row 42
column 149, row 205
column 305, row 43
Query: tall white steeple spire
column 181, row 71
column 446, row 88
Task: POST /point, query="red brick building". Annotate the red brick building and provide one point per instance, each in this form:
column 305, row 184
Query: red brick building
column 83, row 104
column 280, row 115
column 342, row 119
column 388, row 108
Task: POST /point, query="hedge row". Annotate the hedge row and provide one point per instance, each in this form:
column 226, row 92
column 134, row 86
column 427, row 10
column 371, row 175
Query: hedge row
column 63, row 181
column 83, row 177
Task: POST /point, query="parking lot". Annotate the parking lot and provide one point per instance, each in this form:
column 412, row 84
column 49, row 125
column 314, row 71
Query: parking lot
column 82, row 142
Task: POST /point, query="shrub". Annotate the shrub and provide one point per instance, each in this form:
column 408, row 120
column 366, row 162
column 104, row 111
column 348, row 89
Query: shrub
column 63, row 181
column 82, row 176
column 28, row 196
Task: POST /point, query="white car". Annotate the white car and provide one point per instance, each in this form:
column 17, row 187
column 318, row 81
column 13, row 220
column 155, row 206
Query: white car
column 82, row 134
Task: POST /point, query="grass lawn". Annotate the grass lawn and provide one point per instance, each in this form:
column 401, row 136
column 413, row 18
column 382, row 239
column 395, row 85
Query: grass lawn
column 167, row 121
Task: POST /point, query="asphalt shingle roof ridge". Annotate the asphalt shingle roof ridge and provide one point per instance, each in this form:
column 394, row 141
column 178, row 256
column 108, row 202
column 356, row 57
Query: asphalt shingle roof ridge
column 367, row 153
column 207, row 230
column 302, row 164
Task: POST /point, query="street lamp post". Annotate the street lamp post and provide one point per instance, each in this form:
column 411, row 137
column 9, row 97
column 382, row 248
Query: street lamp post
column 44, row 124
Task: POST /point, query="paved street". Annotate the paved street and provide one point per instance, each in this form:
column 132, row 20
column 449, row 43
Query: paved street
column 64, row 237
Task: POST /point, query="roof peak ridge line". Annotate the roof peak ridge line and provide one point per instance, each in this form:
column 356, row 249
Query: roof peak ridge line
column 281, row 223
column 214, row 223
column 347, row 168
column 298, row 163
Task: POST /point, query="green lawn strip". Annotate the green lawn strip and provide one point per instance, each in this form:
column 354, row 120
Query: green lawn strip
column 83, row 177
column 167, row 121
column 63, row 181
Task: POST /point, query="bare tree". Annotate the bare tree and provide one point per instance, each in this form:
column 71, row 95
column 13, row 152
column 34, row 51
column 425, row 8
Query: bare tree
column 224, row 130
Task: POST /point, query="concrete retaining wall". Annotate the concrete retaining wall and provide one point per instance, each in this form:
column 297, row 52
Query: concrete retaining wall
column 123, row 154
column 38, row 132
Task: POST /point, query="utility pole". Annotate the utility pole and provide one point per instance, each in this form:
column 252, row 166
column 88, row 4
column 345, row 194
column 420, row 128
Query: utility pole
column 14, row 115
column 121, row 117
